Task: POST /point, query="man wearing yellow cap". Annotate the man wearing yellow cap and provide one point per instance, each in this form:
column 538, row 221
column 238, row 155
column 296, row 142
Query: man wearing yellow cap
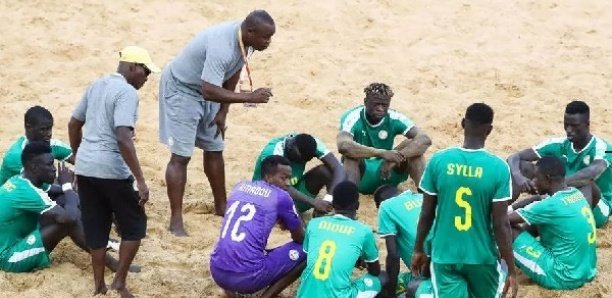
column 107, row 165
column 195, row 91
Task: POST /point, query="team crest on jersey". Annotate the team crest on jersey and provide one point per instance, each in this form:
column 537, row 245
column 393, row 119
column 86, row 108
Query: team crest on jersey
column 31, row 239
column 383, row 134
column 294, row 255
column 587, row 160
column 9, row 186
column 368, row 282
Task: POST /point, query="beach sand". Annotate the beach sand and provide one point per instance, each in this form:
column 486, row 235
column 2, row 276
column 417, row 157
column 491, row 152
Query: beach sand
column 526, row 59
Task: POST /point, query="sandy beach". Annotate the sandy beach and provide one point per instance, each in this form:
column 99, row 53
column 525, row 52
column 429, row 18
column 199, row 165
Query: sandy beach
column 527, row 59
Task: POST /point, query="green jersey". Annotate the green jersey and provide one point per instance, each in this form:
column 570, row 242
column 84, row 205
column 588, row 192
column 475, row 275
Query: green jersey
column 380, row 135
column 399, row 216
column 276, row 146
column 334, row 244
column 567, row 231
column 466, row 183
column 576, row 161
column 21, row 204
column 11, row 164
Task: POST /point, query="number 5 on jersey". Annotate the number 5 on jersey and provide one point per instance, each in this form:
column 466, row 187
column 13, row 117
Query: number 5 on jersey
column 463, row 224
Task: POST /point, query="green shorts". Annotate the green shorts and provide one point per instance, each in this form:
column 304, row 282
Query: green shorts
column 367, row 286
column 26, row 255
column 301, row 187
column 601, row 212
column 466, row 280
column 538, row 263
column 424, row 289
column 371, row 180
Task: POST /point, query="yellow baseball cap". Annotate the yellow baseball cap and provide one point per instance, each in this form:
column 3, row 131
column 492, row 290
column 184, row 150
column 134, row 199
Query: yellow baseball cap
column 134, row 54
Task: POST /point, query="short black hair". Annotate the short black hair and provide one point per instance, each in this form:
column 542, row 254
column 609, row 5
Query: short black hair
column 346, row 195
column 35, row 114
column 578, row 107
column 32, row 150
column 271, row 163
column 307, row 145
column 257, row 17
column 384, row 192
column 380, row 90
column 479, row 113
column 551, row 166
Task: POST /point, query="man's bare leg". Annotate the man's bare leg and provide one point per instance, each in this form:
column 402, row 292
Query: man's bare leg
column 176, row 178
column 353, row 169
column 127, row 252
column 277, row 287
column 416, row 166
column 214, row 168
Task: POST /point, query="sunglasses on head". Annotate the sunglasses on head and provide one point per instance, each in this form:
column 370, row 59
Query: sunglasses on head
column 146, row 69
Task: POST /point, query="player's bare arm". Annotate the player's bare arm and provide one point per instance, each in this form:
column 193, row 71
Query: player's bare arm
column 338, row 173
column 524, row 202
column 128, row 152
column 373, row 267
column 501, row 228
column 221, row 95
column 428, row 214
column 318, row 205
column 587, row 175
column 415, row 144
column 354, row 150
column 221, row 116
column 75, row 134
column 392, row 264
column 514, row 161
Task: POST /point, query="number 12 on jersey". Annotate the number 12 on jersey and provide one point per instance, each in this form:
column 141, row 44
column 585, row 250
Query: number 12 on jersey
column 248, row 212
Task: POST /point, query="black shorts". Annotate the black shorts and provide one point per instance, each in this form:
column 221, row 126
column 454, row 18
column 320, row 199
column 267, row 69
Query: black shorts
column 100, row 198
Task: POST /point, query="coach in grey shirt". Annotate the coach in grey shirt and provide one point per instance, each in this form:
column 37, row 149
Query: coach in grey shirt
column 195, row 91
column 106, row 160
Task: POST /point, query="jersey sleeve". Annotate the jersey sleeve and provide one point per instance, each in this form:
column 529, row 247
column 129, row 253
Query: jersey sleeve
column 5, row 170
column 540, row 212
column 80, row 111
column 27, row 198
column 549, row 147
column 321, row 150
column 370, row 250
column 125, row 110
column 600, row 151
column 504, row 183
column 349, row 119
column 428, row 183
column 60, row 150
column 286, row 211
column 215, row 66
column 400, row 123
column 306, row 237
column 386, row 227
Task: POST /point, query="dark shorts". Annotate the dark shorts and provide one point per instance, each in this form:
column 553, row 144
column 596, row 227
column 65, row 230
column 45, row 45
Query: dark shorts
column 100, row 198
column 278, row 263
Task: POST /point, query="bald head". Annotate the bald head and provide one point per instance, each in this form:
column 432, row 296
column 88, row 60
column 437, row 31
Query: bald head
column 257, row 30
column 257, row 17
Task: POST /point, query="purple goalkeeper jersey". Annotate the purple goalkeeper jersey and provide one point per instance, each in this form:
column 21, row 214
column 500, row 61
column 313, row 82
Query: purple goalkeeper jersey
column 253, row 208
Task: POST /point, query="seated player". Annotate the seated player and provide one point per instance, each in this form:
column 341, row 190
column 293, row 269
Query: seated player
column 32, row 224
column 300, row 149
column 240, row 263
column 398, row 215
column 334, row 244
column 366, row 137
column 38, row 123
column 564, row 257
column 583, row 154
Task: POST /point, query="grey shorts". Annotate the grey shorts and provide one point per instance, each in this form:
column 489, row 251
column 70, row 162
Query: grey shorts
column 185, row 119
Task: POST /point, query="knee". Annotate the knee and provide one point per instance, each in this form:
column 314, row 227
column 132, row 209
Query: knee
column 179, row 161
